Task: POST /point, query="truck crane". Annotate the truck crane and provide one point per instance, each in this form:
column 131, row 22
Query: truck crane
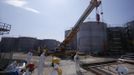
column 75, row 29
column 93, row 4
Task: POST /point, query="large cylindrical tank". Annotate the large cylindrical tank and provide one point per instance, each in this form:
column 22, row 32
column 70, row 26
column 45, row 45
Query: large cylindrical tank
column 8, row 44
column 50, row 44
column 91, row 37
column 73, row 43
column 26, row 43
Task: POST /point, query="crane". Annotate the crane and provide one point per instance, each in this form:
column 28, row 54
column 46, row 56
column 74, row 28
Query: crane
column 93, row 4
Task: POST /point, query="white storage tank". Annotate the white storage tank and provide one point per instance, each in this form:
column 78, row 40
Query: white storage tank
column 91, row 37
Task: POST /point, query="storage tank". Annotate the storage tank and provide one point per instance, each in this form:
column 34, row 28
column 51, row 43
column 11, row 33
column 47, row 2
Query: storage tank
column 73, row 44
column 26, row 43
column 8, row 44
column 91, row 37
column 50, row 44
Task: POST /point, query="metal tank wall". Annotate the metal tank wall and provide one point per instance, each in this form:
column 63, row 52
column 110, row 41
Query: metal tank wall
column 92, row 37
column 26, row 43
column 72, row 45
column 8, row 44
column 50, row 44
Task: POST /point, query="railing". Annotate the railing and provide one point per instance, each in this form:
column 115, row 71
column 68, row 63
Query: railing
column 4, row 28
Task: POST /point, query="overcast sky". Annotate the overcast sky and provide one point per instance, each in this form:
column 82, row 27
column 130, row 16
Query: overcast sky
column 48, row 19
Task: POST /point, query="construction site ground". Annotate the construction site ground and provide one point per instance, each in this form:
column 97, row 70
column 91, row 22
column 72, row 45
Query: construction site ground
column 68, row 66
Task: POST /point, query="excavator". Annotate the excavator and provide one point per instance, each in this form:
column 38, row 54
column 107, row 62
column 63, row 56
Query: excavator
column 62, row 47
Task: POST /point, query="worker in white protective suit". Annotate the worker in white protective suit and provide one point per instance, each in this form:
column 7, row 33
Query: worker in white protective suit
column 41, row 64
column 56, row 66
column 121, row 69
column 13, row 68
column 20, row 68
column 29, row 57
column 77, row 62
column 27, row 72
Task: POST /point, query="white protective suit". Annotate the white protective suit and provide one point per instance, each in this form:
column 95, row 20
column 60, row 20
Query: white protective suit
column 27, row 72
column 54, row 72
column 41, row 64
column 29, row 57
column 121, row 70
column 76, row 59
column 12, row 67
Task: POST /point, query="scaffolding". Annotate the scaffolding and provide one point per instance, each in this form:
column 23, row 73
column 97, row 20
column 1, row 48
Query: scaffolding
column 4, row 28
column 115, row 40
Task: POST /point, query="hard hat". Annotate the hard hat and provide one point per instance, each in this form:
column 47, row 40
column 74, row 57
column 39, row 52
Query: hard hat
column 56, row 60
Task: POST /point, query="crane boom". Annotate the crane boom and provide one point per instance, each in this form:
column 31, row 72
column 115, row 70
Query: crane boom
column 74, row 30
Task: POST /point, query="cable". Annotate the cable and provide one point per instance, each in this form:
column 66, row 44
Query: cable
column 101, row 7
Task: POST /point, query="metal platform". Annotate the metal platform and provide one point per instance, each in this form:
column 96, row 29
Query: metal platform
column 4, row 28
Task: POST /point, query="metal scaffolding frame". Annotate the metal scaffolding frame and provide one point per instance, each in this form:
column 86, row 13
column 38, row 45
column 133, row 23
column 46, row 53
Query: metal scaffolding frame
column 4, row 28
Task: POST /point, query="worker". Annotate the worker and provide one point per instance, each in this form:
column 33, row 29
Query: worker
column 27, row 72
column 77, row 60
column 31, row 67
column 52, row 64
column 13, row 68
column 20, row 68
column 121, row 69
column 29, row 57
column 56, row 68
column 41, row 64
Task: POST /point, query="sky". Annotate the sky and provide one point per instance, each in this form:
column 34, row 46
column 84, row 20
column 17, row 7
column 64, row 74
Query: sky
column 48, row 19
